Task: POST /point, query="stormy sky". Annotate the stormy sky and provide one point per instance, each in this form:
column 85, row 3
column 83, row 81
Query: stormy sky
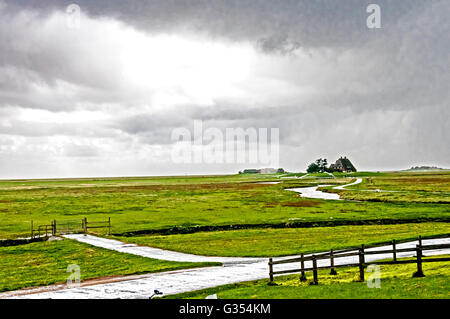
column 101, row 95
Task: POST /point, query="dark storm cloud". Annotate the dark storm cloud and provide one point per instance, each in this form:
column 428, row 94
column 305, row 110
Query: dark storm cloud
column 394, row 66
column 276, row 25
column 332, row 86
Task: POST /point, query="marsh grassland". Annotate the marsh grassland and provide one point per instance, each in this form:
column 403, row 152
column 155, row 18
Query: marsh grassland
column 234, row 215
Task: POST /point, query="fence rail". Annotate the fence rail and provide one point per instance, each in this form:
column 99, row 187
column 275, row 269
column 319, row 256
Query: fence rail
column 68, row 227
column 360, row 252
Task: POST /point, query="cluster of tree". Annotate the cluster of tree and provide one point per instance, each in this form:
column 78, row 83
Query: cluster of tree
column 343, row 164
column 319, row 166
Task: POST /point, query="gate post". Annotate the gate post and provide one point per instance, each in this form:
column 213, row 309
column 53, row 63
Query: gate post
column 85, row 225
column 361, row 263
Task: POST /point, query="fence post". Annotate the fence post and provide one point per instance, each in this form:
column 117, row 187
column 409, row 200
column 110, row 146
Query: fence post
column 419, row 272
column 420, row 243
column 54, row 227
column 302, row 261
column 361, row 263
column 315, row 279
column 109, row 225
column 394, row 249
column 85, row 225
column 270, row 271
column 333, row 271
column 32, row 235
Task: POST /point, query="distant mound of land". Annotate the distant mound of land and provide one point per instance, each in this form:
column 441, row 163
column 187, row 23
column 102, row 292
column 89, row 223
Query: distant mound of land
column 424, row 168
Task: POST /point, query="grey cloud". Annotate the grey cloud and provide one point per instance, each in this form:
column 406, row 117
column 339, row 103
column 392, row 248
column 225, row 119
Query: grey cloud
column 277, row 44
column 33, row 129
column 74, row 150
column 12, row 125
column 381, row 96
column 43, row 64
column 150, row 122
column 309, row 23
column 152, row 128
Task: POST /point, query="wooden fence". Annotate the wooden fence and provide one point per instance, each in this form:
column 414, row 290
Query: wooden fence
column 361, row 253
column 68, row 227
column 42, row 230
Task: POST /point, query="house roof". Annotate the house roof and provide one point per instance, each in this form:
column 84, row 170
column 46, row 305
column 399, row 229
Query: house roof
column 345, row 163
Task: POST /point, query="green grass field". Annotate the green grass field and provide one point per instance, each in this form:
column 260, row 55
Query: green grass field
column 232, row 215
column 158, row 203
column 286, row 241
column 45, row 263
column 396, row 282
